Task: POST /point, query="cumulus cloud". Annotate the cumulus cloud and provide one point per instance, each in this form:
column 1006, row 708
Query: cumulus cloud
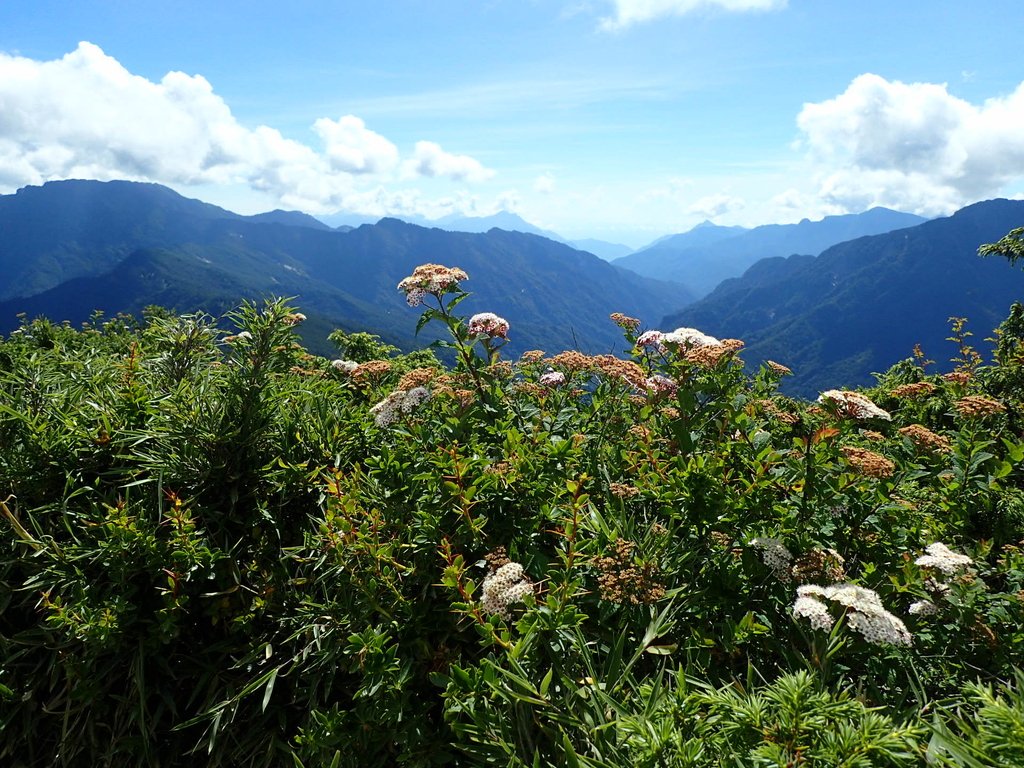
column 353, row 148
column 629, row 12
column 912, row 146
column 713, row 206
column 86, row 116
column 430, row 160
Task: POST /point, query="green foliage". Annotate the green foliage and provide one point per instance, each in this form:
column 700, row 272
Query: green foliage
column 219, row 548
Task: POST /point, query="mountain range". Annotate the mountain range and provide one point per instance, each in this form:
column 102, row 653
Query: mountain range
column 709, row 254
column 70, row 247
column 862, row 305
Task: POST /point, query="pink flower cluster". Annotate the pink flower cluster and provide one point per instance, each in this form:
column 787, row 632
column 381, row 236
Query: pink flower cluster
column 488, row 324
column 430, row 278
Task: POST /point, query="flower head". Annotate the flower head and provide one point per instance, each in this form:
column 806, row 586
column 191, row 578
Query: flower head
column 853, row 405
column 504, row 586
column 345, row 366
column 863, row 608
column 552, row 379
column 944, row 559
column 488, row 324
column 430, row 278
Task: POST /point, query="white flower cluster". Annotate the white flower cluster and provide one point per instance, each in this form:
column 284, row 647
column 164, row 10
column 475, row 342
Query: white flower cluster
column 775, row 556
column 551, row 379
column 853, row 405
column 690, row 337
column 942, row 557
column 684, row 337
column 386, row 412
column 661, row 385
column 923, row 608
column 864, row 612
column 345, row 366
column 488, row 324
column 503, row 587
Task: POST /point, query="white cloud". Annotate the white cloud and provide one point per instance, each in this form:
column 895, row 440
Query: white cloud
column 713, row 206
column 86, row 116
column 544, row 184
column 352, row 148
column 912, row 146
column 432, row 161
column 628, row 12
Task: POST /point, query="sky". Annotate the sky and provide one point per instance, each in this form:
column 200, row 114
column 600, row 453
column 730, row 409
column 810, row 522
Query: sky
column 622, row 120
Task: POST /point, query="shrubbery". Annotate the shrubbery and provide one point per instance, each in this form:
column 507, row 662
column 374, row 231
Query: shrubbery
column 222, row 550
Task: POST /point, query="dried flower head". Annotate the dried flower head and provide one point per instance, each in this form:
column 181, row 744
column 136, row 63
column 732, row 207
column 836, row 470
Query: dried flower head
column 623, row 490
column 625, row 322
column 853, row 405
column 371, row 370
column 924, row 439
column 532, row 356
column 293, row 318
column 957, row 377
column 778, row 368
column 868, row 463
column 977, row 405
column 417, row 377
column 572, row 361
column 488, row 324
column 913, row 390
column 771, row 408
column 624, row 581
column 822, row 565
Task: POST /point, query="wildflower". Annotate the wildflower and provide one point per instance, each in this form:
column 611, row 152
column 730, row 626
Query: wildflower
column 532, row 356
column 430, row 278
column 944, row 559
column 345, row 366
column 660, row 385
column 623, row 581
column 913, row 390
column 775, row 556
column 293, row 318
column 924, row 439
column 957, row 377
column 387, row 411
column 625, row 322
column 820, row 564
column 241, row 336
column 417, row 377
column 853, row 405
column 863, row 608
column 488, row 324
column 552, row 379
column 572, row 361
column 623, row 490
column 371, row 370
column 504, row 586
column 977, row 405
column 868, row 463
column 778, row 368
column 689, row 337
column 814, row 611
column 652, row 339
column 623, row 370
column 709, row 355
column 923, row 608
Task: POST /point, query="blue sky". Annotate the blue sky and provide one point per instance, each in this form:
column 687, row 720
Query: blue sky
column 617, row 119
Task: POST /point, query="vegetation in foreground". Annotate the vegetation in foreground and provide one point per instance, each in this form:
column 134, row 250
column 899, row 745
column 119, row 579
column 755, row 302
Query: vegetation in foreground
column 219, row 548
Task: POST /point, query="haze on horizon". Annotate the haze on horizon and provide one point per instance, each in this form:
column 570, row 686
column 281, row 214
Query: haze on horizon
column 621, row 120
